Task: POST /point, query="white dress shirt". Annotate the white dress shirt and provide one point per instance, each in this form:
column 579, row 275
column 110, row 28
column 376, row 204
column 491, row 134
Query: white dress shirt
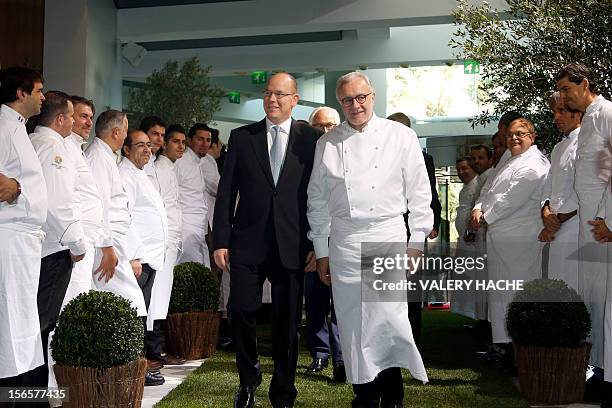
column 368, row 176
column 63, row 227
column 210, row 172
column 559, row 186
column 91, row 212
column 170, row 196
column 516, row 190
column 149, row 215
column 191, row 186
column 18, row 160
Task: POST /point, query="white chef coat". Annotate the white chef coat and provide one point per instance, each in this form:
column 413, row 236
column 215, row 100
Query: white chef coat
column 487, row 180
column 512, row 210
column 467, row 197
column 21, row 235
column 119, row 231
column 194, row 208
column 63, row 227
column 151, row 171
column 593, row 165
column 148, row 212
column 358, row 191
column 559, row 191
column 210, row 172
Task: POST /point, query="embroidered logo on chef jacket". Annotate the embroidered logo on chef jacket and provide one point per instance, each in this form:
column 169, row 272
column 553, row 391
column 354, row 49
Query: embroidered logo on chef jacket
column 58, row 162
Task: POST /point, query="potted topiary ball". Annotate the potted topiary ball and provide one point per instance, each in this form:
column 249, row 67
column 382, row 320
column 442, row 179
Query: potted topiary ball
column 549, row 324
column 97, row 350
column 193, row 318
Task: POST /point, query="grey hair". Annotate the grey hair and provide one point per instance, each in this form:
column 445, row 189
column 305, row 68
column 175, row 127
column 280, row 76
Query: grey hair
column 351, row 76
column 321, row 108
column 108, row 120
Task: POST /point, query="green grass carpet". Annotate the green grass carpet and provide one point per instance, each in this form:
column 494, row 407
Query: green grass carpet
column 456, row 378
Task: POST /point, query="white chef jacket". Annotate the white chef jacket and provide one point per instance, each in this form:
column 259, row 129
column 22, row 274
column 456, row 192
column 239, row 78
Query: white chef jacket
column 359, row 176
column 91, row 212
column 118, row 230
column 148, row 213
column 210, row 172
column 467, row 197
column 559, row 186
column 482, row 179
column 170, row 197
column 191, row 186
column 488, row 180
column 63, row 227
column 151, row 171
column 18, row 160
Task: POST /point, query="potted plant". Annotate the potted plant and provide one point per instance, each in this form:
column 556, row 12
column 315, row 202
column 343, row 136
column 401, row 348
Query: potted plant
column 193, row 318
column 97, row 349
column 549, row 324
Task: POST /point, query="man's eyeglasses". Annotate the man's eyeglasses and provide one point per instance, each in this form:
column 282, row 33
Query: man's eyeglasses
column 348, row 101
column 519, row 135
column 279, row 95
column 141, row 145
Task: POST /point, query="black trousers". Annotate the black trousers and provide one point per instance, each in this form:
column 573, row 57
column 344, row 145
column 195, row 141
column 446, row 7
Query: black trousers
column 55, row 272
column 387, row 387
column 246, row 286
column 153, row 341
column 145, row 281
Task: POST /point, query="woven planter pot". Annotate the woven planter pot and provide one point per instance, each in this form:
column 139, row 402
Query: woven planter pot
column 120, row 386
column 192, row 335
column 552, row 375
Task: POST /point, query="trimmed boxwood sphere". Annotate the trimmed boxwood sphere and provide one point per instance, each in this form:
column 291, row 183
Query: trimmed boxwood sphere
column 195, row 289
column 548, row 313
column 98, row 329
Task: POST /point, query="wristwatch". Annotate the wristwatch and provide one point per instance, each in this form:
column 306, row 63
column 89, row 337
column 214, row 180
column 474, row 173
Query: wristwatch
column 18, row 193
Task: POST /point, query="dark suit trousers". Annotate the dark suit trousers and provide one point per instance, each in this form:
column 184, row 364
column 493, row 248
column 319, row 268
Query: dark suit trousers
column 246, row 286
column 323, row 336
column 152, row 338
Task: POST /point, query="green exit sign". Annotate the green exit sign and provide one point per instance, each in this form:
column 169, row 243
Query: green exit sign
column 471, row 67
column 259, row 77
column 234, row 97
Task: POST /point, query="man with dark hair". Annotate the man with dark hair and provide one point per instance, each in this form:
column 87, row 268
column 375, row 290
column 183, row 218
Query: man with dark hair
column 578, row 88
column 23, row 211
column 481, row 158
column 268, row 165
column 192, row 189
column 84, row 111
column 65, row 241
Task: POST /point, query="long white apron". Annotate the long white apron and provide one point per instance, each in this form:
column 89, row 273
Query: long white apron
column 194, row 240
column 20, row 341
column 592, row 271
column 562, row 259
column 513, row 253
column 374, row 335
column 123, row 283
column 162, row 288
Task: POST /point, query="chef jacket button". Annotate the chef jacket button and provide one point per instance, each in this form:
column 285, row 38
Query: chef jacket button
column 371, row 209
column 373, row 187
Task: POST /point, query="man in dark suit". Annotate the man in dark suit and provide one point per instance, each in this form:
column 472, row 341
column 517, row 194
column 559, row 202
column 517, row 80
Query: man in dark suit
column 414, row 308
column 268, row 165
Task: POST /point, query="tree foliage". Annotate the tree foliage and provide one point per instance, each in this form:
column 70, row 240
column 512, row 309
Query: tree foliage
column 180, row 95
column 522, row 48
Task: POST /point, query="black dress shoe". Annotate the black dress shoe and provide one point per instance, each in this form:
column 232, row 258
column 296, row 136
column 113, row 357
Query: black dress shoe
column 245, row 396
column 317, row 365
column 153, row 379
column 283, row 405
column 392, row 405
column 339, row 372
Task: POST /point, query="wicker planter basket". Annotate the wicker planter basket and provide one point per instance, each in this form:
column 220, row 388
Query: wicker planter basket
column 120, row 386
column 192, row 335
column 552, row 375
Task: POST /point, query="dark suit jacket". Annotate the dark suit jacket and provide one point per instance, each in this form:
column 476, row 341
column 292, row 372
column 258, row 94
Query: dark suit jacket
column 435, row 200
column 265, row 214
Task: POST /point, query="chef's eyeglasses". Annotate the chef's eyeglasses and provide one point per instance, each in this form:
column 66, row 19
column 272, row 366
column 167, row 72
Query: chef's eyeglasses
column 519, row 135
column 141, row 145
column 348, row 101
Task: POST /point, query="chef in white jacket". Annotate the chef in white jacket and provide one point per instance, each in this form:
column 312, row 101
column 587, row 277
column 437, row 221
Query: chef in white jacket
column 579, row 90
column 192, row 196
column 365, row 171
column 463, row 302
column 65, row 240
column 23, row 211
column 117, row 251
column 559, row 200
column 155, row 128
column 173, row 148
column 149, row 217
column 511, row 211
